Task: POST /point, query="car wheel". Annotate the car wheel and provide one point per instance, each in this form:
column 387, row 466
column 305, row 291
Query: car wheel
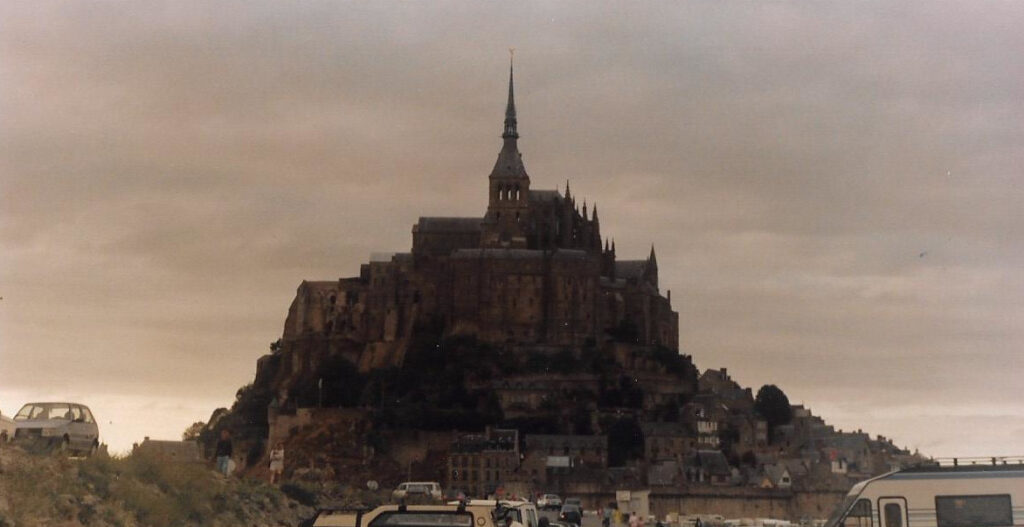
column 93, row 449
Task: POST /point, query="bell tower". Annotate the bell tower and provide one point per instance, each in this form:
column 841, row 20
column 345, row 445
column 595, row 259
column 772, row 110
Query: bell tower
column 508, row 185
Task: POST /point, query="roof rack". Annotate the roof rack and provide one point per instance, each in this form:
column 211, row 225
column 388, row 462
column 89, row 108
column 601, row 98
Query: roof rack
column 978, row 461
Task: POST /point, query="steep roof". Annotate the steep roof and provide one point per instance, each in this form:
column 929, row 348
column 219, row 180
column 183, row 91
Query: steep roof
column 630, row 268
column 544, row 195
column 448, row 224
column 663, row 473
column 775, row 473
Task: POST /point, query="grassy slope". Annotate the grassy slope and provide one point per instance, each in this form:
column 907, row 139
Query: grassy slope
column 133, row 491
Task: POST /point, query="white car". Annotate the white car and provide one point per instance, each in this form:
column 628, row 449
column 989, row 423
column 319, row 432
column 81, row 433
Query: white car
column 64, row 427
column 549, row 501
column 7, row 428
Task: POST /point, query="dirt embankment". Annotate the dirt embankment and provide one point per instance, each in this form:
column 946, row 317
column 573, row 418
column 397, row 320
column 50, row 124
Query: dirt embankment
column 139, row 490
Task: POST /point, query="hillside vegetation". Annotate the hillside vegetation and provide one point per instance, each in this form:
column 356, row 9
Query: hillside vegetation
column 138, row 490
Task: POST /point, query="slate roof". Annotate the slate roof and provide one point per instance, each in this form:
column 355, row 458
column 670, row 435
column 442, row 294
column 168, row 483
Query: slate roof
column 449, row 224
column 775, row 473
column 630, row 268
column 544, row 195
column 713, row 462
column 663, row 473
column 519, row 254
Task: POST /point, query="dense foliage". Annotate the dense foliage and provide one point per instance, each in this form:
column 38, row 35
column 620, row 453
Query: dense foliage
column 773, row 405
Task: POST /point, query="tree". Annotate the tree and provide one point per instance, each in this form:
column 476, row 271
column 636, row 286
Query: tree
column 773, row 405
column 192, row 432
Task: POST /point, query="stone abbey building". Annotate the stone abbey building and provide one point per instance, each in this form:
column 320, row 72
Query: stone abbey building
column 523, row 323
column 532, row 271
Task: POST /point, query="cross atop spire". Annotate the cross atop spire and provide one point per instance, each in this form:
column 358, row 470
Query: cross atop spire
column 510, row 110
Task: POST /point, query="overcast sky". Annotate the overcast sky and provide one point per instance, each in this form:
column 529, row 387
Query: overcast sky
column 834, row 189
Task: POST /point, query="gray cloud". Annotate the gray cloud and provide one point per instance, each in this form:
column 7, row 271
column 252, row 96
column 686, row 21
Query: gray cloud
column 833, row 188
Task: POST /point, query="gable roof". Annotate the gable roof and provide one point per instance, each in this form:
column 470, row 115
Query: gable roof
column 712, row 461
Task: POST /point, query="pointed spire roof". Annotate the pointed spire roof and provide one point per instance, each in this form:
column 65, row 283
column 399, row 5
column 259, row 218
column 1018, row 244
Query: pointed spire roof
column 595, row 213
column 510, row 109
column 510, row 162
column 567, row 194
column 652, row 259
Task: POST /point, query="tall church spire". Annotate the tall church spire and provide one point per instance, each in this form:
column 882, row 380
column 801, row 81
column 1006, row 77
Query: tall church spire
column 508, row 208
column 510, row 110
column 510, row 163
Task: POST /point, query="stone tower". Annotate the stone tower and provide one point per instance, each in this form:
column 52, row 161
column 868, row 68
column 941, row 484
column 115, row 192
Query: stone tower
column 509, row 187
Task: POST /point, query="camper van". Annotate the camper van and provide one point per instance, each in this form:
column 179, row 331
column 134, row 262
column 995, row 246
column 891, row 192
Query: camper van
column 967, row 492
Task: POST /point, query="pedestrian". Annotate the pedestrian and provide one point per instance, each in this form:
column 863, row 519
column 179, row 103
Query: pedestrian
column 223, row 452
column 276, row 463
column 634, row 520
column 606, row 517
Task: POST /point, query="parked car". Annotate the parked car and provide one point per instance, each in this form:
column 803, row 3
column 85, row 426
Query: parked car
column 571, row 514
column 574, row 501
column 65, row 427
column 430, row 490
column 7, row 428
column 549, row 501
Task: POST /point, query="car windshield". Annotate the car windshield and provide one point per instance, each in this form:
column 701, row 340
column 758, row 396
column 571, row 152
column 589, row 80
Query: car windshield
column 44, row 411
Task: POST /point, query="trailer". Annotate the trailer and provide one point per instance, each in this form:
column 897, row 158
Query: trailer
column 966, row 492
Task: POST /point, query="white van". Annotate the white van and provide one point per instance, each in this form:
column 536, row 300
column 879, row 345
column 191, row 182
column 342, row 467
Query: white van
column 958, row 494
column 429, row 490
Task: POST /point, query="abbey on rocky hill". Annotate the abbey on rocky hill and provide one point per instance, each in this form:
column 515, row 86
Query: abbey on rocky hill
column 533, row 272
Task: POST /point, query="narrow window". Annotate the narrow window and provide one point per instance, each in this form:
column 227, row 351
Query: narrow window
column 893, row 515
